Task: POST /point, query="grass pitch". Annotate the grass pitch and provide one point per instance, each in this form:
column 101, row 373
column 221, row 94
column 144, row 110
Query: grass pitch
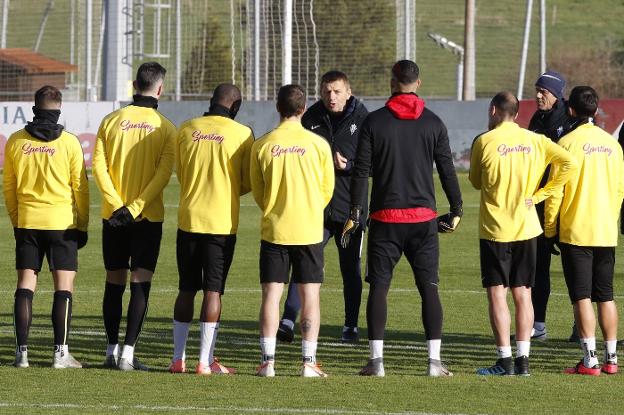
column 467, row 343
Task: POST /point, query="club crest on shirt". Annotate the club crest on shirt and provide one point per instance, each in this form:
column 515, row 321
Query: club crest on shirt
column 589, row 149
column 278, row 151
column 29, row 149
column 504, row 149
column 353, row 128
column 559, row 131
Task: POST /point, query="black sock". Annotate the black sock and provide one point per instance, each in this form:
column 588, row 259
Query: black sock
column 61, row 316
column 431, row 311
column 376, row 311
column 137, row 310
column 111, row 309
column 22, row 316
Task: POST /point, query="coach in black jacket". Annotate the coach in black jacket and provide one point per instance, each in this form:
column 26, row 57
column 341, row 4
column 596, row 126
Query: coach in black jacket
column 399, row 144
column 337, row 117
column 552, row 119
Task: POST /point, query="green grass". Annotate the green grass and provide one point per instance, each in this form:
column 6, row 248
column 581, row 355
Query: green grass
column 467, row 344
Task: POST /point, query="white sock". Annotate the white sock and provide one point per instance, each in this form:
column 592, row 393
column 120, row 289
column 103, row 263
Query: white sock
column 610, row 351
column 112, row 349
column 128, row 353
column 207, row 331
column 180, row 334
column 214, row 342
column 539, row 326
column 589, row 349
column 503, row 352
column 433, row 346
column 308, row 350
column 267, row 345
column 376, row 348
column 523, row 348
column 63, row 349
column 289, row 323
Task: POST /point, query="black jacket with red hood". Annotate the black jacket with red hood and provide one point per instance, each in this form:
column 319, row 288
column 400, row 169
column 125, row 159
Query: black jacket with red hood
column 398, row 145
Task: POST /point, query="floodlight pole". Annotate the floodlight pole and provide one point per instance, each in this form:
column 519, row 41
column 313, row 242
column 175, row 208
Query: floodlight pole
column 469, row 48
column 455, row 50
column 542, row 36
column 178, row 61
column 256, row 71
column 88, row 34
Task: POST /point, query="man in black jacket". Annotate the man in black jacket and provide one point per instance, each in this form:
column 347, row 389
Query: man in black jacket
column 399, row 144
column 554, row 121
column 337, row 117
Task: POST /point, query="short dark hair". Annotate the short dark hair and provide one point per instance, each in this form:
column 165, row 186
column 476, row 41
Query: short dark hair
column 405, row 72
column 291, row 100
column 226, row 94
column 148, row 74
column 584, row 101
column 47, row 94
column 333, row 76
column 506, row 103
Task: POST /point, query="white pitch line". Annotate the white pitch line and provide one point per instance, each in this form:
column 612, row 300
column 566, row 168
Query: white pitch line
column 218, row 409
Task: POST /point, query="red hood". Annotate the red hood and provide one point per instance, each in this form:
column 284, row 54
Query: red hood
column 406, row 106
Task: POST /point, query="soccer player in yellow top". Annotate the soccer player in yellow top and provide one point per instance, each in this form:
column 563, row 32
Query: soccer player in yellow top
column 588, row 208
column 212, row 162
column 507, row 164
column 132, row 163
column 47, row 197
column 292, row 180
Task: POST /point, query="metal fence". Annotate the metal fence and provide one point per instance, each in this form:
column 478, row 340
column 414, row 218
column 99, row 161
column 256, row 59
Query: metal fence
column 205, row 42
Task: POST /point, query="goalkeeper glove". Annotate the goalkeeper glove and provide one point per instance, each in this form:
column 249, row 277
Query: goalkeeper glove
column 448, row 223
column 350, row 225
column 121, row 217
column 553, row 244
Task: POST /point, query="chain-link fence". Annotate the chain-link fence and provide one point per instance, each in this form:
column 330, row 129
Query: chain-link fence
column 206, row 42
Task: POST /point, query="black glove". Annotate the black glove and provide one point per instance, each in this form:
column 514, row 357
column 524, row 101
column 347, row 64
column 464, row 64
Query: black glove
column 81, row 238
column 350, row 225
column 553, row 244
column 121, row 217
column 448, row 223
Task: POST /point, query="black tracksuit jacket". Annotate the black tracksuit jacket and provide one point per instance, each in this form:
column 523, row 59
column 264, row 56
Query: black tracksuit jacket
column 342, row 136
column 400, row 154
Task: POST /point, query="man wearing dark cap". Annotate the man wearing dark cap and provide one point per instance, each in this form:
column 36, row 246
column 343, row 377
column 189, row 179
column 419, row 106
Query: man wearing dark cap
column 399, row 145
column 212, row 166
column 552, row 120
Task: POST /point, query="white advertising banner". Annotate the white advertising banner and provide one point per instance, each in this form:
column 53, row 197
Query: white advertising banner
column 79, row 118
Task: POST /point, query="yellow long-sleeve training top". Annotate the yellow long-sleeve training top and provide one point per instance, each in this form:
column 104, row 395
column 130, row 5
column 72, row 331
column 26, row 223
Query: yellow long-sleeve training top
column 212, row 164
column 45, row 182
column 133, row 160
column 589, row 204
column 507, row 164
column 292, row 180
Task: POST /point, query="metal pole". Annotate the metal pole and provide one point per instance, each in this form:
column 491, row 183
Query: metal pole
column 460, row 77
column 44, row 20
column 178, row 82
column 5, row 19
column 256, row 72
column 407, row 32
column 98, row 59
column 469, row 50
column 287, row 43
column 542, row 36
column 88, row 30
column 525, row 47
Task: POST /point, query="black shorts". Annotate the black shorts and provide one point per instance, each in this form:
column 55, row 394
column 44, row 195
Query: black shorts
column 59, row 247
column 510, row 264
column 588, row 272
column 388, row 241
column 130, row 247
column 276, row 260
column 203, row 260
